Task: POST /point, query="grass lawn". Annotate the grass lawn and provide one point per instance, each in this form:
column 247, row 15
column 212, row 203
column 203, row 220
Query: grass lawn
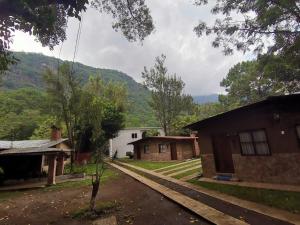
column 182, row 165
column 181, row 168
column 187, row 173
column 149, row 165
column 286, row 200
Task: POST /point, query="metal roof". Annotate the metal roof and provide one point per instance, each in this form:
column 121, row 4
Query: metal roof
column 167, row 138
column 272, row 99
column 30, row 144
column 33, row 151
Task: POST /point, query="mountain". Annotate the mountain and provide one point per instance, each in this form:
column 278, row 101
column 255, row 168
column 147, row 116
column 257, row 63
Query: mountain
column 202, row 99
column 28, row 72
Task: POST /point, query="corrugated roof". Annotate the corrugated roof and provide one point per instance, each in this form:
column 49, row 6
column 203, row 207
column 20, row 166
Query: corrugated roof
column 177, row 138
column 33, row 151
column 30, row 144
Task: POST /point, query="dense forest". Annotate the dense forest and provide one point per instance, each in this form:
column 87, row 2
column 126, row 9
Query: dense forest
column 27, row 75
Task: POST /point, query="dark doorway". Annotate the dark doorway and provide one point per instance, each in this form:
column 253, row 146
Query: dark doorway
column 173, row 151
column 138, row 152
column 222, row 154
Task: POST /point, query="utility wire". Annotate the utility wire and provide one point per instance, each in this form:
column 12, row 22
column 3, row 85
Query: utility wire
column 77, row 43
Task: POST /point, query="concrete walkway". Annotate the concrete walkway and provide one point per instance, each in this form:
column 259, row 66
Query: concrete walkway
column 249, row 210
column 197, row 207
column 279, row 187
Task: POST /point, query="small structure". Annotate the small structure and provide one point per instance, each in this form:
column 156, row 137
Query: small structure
column 119, row 143
column 259, row 142
column 32, row 158
column 165, row 148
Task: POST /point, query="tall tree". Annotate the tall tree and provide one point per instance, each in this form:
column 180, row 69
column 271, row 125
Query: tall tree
column 64, row 90
column 247, row 24
column 101, row 117
column 252, row 81
column 168, row 100
column 47, row 20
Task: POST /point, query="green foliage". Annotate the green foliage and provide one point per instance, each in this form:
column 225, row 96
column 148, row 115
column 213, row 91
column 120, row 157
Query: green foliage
column 21, row 112
column 256, row 21
column 286, row 200
column 151, row 133
column 167, row 97
column 29, row 73
column 147, row 164
column 43, row 130
column 182, row 121
column 252, row 81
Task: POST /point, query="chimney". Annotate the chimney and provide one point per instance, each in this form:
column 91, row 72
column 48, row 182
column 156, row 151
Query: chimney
column 55, row 133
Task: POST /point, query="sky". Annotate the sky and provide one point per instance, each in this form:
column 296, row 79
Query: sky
column 200, row 66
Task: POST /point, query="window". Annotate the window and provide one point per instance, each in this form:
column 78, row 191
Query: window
column 162, row 148
column 254, row 143
column 298, row 131
column 134, row 135
column 146, row 149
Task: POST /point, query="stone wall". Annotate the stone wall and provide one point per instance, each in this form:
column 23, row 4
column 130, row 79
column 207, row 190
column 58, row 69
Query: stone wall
column 187, row 150
column 281, row 168
column 154, row 153
column 208, row 165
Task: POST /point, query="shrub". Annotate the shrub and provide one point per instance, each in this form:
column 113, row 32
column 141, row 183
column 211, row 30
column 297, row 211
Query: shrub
column 129, row 154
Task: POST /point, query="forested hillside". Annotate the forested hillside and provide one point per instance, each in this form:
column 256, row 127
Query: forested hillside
column 28, row 73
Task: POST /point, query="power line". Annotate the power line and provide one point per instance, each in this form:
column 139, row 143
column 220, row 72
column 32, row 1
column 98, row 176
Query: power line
column 77, row 43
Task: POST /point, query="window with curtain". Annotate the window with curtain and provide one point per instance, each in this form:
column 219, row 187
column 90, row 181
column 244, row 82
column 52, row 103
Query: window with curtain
column 254, row 143
column 162, row 148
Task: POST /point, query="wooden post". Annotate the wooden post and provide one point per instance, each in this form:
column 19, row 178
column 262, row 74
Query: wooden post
column 51, row 169
column 60, row 165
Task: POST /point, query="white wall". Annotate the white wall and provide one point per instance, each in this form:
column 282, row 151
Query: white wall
column 120, row 143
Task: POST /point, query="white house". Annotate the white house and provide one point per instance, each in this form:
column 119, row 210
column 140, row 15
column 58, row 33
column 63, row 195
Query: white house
column 120, row 143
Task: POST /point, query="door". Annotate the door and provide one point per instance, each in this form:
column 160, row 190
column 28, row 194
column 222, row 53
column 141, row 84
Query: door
column 173, row 151
column 138, row 152
column 222, row 154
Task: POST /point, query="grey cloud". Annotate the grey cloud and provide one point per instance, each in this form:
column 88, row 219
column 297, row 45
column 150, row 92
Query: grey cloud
column 200, row 65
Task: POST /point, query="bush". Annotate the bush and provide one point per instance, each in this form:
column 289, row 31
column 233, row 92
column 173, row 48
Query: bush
column 129, row 154
column 77, row 169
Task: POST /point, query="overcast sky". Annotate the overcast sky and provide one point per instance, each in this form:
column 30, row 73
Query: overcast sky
column 201, row 66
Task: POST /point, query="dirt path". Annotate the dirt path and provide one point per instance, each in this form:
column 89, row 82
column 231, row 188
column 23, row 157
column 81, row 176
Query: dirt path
column 139, row 205
column 238, row 212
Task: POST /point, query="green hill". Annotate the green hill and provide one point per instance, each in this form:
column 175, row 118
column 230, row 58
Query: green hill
column 29, row 73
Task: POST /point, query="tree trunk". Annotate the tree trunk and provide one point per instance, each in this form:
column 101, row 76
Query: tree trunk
column 95, row 190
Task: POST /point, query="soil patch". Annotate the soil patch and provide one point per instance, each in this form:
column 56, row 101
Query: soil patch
column 137, row 204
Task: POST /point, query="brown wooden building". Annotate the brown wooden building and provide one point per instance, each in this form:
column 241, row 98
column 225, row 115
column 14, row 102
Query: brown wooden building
column 165, row 148
column 32, row 158
column 259, row 142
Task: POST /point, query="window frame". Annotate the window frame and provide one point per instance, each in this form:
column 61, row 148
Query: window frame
column 165, row 149
column 253, row 142
column 148, row 150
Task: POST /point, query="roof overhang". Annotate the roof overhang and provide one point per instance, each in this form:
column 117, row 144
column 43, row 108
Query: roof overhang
column 35, row 151
column 164, row 138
